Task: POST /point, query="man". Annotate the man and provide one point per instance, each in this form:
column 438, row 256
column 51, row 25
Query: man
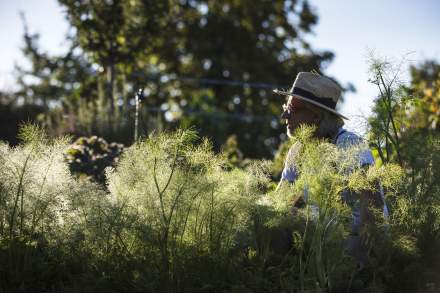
column 312, row 100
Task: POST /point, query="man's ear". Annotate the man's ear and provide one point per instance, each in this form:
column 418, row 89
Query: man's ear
column 317, row 119
column 317, row 116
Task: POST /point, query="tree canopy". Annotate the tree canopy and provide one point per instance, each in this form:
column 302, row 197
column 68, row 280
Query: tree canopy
column 207, row 64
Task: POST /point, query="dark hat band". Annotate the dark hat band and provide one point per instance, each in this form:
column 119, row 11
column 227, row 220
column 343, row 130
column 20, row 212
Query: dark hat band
column 306, row 94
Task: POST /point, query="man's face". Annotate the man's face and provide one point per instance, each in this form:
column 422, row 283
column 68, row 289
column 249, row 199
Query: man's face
column 296, row 114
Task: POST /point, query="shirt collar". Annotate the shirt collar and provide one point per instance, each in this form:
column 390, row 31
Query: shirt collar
column 340, row 132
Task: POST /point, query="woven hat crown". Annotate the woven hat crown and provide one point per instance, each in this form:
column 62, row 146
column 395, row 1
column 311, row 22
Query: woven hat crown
column 318, row 85
column 317, row 90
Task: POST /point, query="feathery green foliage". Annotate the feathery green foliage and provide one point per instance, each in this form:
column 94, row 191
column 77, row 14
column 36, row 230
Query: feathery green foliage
column 176, row 218
column 34, row 183
column 400, row 134
column 183, row 200
column 36, row 196
column 318, row 257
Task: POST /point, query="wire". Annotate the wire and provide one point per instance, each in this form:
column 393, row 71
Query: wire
column 210, row 81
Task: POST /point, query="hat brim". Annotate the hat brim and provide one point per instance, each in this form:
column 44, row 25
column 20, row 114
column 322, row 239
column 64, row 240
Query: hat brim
column 311, row 102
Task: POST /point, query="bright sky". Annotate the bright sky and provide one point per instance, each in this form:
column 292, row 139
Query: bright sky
column 392, row 28
column 43, row 16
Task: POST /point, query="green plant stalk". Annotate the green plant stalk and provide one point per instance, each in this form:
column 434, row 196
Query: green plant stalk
column 39, row 196
column 219, row 236
column 185, row 222
column 387, row 96
column 320, row 266
column 164, row 234
column 391, row 119
column 197, row 220
column 113, row 220
column 314, row 251
column 19, row 191
column 170, row 215
column 36, row 220
column 318, row 243
column 2, row 212
column 379, row 150
column 302, row 267
column 21, row 212
column 211, row 228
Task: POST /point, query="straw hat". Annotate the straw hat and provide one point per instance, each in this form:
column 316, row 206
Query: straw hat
column 317, row 90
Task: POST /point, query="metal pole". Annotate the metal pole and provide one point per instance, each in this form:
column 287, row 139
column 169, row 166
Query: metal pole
column 139, row 96
column 136, row 119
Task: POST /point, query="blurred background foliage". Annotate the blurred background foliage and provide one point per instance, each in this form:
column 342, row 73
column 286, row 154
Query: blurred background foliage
column 89, row 156
column 209, row 64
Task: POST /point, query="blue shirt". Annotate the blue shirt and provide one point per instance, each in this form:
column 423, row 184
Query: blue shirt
column 343, row 140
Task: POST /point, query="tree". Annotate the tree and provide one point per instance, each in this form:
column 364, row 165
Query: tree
column 114, row 33
column 212, row 64
column 63, row 85
column 425, row 87
column 260, row 44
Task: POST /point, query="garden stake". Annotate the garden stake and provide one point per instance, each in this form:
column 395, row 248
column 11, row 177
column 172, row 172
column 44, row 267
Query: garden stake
column 138, row 97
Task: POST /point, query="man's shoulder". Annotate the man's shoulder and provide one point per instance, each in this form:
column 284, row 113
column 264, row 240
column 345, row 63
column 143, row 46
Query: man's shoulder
column 356, row 145
column 347, row 138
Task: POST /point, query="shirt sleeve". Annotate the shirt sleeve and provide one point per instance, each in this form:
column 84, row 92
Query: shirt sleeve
column 289, row 172
column 362, row 156
column 357, row 148
column 366, row 158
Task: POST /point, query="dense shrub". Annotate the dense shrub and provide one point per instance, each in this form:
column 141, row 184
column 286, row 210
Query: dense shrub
column 403, row 131
column 322, row 227
column 37, row 196
column 177, row 218
column 185, row 204
column 89, row 156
